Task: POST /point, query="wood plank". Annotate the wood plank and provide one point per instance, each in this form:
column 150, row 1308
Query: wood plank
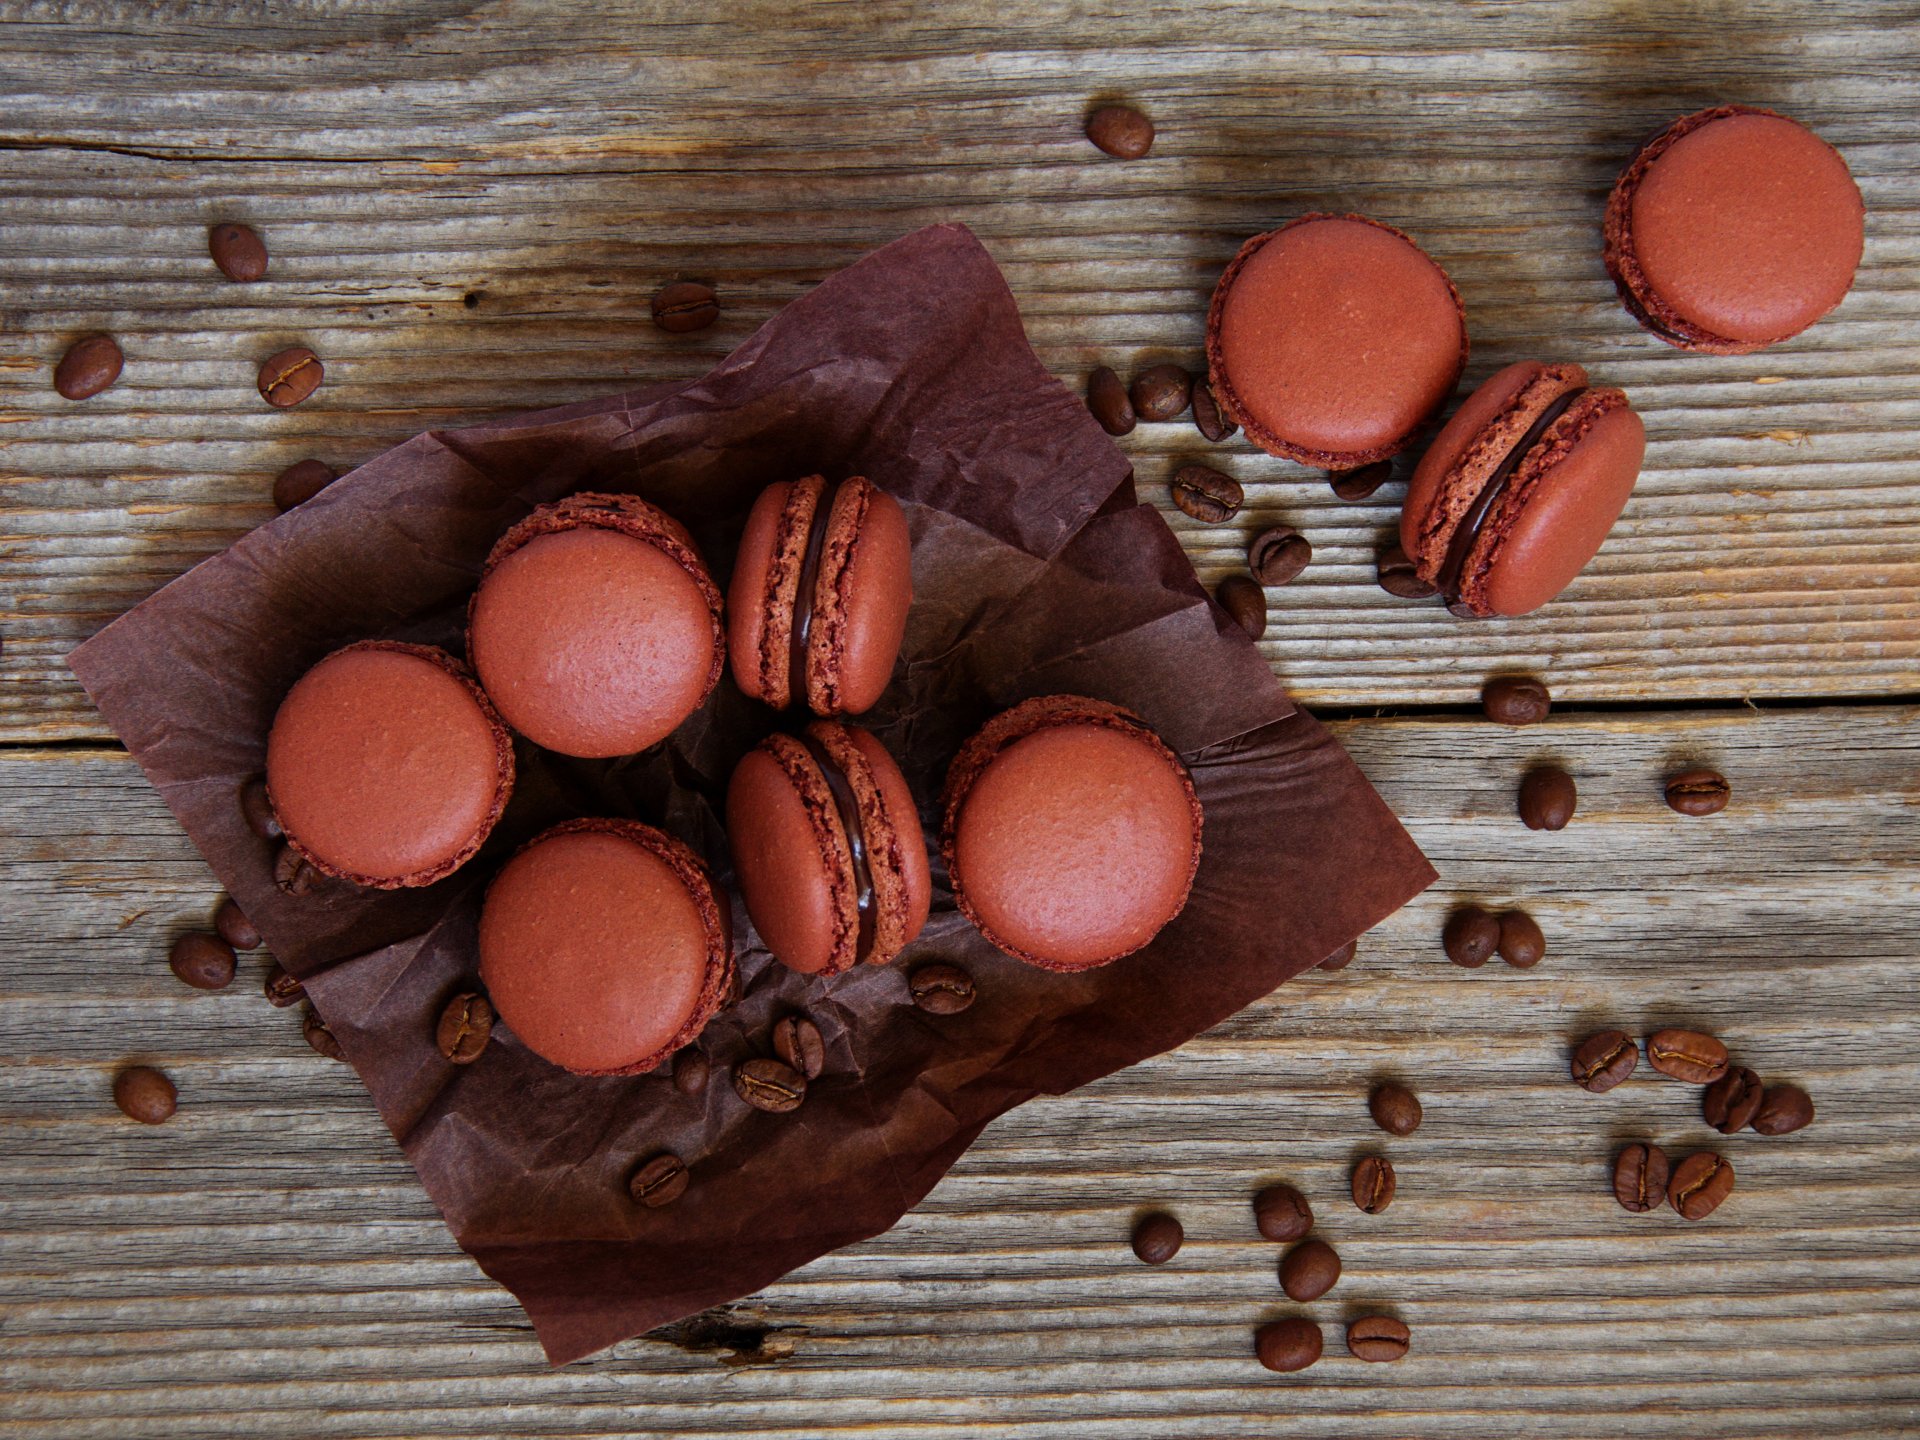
column 553, row 164
column 266, row 1265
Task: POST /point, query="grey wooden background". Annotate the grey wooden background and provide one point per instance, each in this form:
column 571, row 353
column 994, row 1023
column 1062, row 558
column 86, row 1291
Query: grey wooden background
column 468, row 205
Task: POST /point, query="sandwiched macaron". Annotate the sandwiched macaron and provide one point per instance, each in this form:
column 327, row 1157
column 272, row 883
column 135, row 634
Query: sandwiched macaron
column 1733, row 229
column 604, row 944
column 596, row 628
column 1071, row 832
column 1333, row 339
column 386, row 766
column 819, row 597
column 828, row 849
column 1520, row 488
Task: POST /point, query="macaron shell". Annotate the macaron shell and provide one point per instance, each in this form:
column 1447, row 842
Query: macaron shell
column 797, row 891
column 760, row 594
column 892, row 812
column 864, row 594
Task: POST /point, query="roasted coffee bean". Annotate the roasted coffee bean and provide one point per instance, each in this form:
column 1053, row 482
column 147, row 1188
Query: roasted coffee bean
column 1120, row 130
column 1687, row 1055
column 1699, row 1184
column 1373, row 1183
column 796, row 1040
column 1395, row 1108
column 319, row 1036
column 1515, row 700
column 1360, row 484
column 1783, row 1110
column 690, row 1071
column 281, row 988
column 1107, row 399
column 1603, row 1060
column 466, row 1024
column 1246, row 602
column 1161, row 392
column 1278, row 554
column 1640, row 1177
column 257, row 810
column 239, row 252
column 1398, row 577
column 1282, row 1213
column 683, row 306
column 1731, row 1102
column 144, row 1094
column 1470, row 937
column 234, row 927
column 941, row 989
column 659, row 1181
column 1380, row 1339
column 1699, row 792
column 1288, row 1345
column 1207, row 417
column 1206, row 494
column 289, row 376
column 1157, row 1238
column 1547, row 798
column 1309, row 1270
column 201, row 960
column 770, row 1085
column 1521, row 943
column 293, row 874
column 300, row 482
column 88, row 368
column 1341, row 958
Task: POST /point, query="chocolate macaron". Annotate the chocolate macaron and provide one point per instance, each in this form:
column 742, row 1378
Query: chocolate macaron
column 1520, row 488
column 1071, row 832
column 820, row 592
column 828, row 849
column 1733, row 229
column 1333, row 339
column 604, row 945
column 596, row 628
column 386, row 766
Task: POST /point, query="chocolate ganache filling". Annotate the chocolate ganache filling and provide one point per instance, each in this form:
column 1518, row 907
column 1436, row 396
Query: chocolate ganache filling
column 848, row 805
column 803, row 598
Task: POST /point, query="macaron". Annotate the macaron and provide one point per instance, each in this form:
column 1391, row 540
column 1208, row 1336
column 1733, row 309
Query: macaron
column 1333, row 339
column 1520, row 488
column 1071, row 832
column 604, row 945
column 596, row 628
column 828, row 849
column 819, row 597
column 1733, row 229
column 386, row 766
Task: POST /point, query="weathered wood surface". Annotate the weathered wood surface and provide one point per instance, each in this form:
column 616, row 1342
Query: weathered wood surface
column 266, row 1265
column 469, row 204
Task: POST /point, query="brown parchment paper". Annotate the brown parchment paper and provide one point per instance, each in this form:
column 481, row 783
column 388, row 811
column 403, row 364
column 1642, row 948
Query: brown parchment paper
column 1034, row 572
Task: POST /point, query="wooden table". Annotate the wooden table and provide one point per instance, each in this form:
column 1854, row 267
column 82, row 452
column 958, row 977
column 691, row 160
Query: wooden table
column 468, row 205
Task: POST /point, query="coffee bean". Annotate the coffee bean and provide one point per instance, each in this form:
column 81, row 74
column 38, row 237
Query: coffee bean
column 1360, row 484
column 1395, row 1108
column 1687, row 1055
column 234, row 927
column 1206, row 494
column 1380, row 1339
column 1470, row 937
column 466, row 1024
column 257, row 810
column 1547, row 798
column 281, row 988
column 941, row 989
column 239, row 252
column 1282, row 1213
column 1341, row 958
column 1699, row 792
column 88, row 368
column 1373, row 1183
column 289, row 376
column 1309, row 1270
column 683, row 306
column 1107, row 399
column 1640, row 1177
column 690, row 1071
column 293, row 874
column 1603, row 1060
column 1120, row 130
column 1699, row 1184
column 1515, row 700
column 1278, row 554
column 659, row 1181
column 319, row 1036
column 770, row 1085
column 796, row 1040
column 201, row 960
column 1521, row 943
column 1287, row 1345
column 144, row 1094
column 1398, row 577
column 300, row 482
column 1160, row 392
column 1207, row 418
column 1157, row 1239
column 1731, row 1102
column 1783, row 1110
column 1246, row 602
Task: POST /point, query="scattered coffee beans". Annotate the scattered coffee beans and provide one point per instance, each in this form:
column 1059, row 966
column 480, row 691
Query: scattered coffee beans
column 88, row 368
column 1120, row 130
column 465, row 1027
column 1602, row 1061
column 1470, row 937
column 1395, row 1108
column 1373, row 1183
column 1282, row 1213
column 1207, row 418
column 1699, row 792
column 1640, row 1177
column 1206, row 494
column 293, row 874
column 1246, row 602
column 1278, row 554
column 1161, row 392
column 239, row 252
column 1309, row 1270
column 300, row 482
column 1341, row 958
column 1398, row 577
column 658, row 1181
column 1687, row 1055
column 1731, row 1102
column 289, row 376
column 144, row 1094
column 796, row 1040
column 1515, row 700
column 1288, row 1345
column 319, row 1036
column 770, row 1085
column 690, row 1071
column 1360, row 484
column 257, row 810
column 1783, row 1110
column 1547, row 798
column 1157, row 1238
column 1521, row 943
column 684, row 306
column 282, row 989
column 201, row 960
column 941, row 989
column 1699, row 1184
column 1107, row 399
column 1380, row 1339
column 234, row 927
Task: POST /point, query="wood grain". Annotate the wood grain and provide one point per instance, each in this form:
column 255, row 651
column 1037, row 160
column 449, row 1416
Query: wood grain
column 266, row 1265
